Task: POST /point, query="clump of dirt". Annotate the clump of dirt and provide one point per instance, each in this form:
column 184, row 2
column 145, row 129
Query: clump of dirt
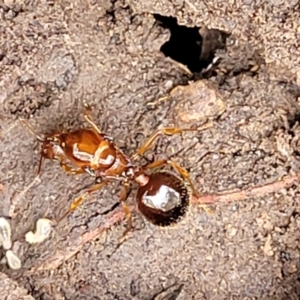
column 32, row 93
column 60, row 70
column 239, row 58
column 29, row 97
column 10, row 9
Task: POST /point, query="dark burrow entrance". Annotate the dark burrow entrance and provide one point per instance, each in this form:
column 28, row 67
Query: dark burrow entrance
column 193, row 47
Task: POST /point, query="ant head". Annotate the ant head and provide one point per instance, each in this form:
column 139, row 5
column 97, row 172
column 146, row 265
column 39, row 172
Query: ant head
column 51, row 145
column 164, row 200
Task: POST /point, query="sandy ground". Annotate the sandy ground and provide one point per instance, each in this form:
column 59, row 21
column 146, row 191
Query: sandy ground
column 54, row 54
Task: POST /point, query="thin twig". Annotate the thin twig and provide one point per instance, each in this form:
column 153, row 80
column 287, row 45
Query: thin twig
column 248, row 193
column 118, row 215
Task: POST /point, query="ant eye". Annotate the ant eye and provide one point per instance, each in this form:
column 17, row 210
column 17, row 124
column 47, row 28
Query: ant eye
column 164, row 200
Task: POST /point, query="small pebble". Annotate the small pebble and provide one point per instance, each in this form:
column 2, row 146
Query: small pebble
column 231, row 231
column 208, row 258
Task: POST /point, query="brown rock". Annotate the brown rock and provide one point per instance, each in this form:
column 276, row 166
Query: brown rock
column 197, row 101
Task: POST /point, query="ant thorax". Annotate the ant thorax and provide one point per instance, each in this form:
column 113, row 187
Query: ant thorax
column 104, row 156
column 164, row 199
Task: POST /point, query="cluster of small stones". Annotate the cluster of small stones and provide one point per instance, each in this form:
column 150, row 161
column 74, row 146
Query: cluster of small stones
column 43, row 230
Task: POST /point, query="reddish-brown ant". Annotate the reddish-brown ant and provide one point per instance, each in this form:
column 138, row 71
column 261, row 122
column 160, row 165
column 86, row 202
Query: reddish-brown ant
column 162, row 197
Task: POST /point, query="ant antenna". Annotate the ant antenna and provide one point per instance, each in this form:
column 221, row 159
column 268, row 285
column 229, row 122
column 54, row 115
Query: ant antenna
column 40, row 166
column 26, row 124
column 38, row 138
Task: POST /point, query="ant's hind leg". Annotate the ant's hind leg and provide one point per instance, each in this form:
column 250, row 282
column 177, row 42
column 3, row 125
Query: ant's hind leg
column 89, row 119
column 180, row 170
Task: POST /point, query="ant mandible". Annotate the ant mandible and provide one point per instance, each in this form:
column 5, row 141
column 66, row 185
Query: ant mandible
column 162, row 197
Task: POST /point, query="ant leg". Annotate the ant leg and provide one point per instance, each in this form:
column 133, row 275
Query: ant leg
column 71, row 170
column 40, row 166
column 80, row 199
column 123, row 196
column 167, row 131
column 182, row 172
column 64, row 166
column 89, row 119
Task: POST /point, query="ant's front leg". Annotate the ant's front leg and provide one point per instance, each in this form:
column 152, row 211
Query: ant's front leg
column 71, row 170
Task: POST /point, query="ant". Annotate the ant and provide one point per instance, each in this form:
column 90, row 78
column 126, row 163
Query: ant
column 162, row 197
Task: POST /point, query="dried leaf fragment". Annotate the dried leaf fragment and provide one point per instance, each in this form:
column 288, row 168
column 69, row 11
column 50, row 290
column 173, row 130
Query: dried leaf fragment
column 43, row 230
column 5, row 234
